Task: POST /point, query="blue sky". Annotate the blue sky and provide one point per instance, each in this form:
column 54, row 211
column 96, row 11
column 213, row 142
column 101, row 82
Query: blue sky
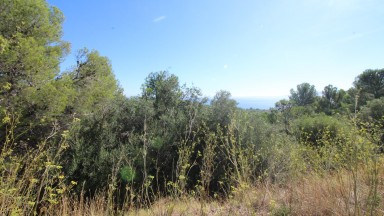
column 251, row 48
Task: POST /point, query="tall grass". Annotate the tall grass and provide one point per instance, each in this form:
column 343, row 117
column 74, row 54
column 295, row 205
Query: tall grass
column 30, row 179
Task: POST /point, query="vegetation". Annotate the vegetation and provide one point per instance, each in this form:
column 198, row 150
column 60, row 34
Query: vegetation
column 72, row 144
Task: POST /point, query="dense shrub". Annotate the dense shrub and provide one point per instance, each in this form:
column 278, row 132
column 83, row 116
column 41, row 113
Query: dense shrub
column 311, row 130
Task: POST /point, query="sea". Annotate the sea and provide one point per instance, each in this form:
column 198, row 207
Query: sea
column 262, row 103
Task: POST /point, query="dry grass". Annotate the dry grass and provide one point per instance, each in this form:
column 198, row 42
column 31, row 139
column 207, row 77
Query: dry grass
column 330, row 194
column 313, row 194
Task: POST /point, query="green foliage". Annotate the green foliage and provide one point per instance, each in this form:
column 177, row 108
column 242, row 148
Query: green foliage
column 163, row 89
column 98, row 142
column 304, row 95
column 312, row 129
column 371, row 119
column 273, row 116
column 127, row 173
column 288, row 112
column 331, row 100
column 222, row 109
column 373, row 111
column 31, row 52
column 284, row 107
column 93, row 81
column 371, row 84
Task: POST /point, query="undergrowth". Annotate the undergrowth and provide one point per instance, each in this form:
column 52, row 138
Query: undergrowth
column 341, row 175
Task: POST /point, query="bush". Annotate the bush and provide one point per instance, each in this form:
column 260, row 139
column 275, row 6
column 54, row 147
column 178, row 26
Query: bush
column 312, row 130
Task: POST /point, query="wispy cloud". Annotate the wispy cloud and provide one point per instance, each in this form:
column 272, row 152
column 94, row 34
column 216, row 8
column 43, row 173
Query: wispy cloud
column 225, row 66
column 158, row 19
